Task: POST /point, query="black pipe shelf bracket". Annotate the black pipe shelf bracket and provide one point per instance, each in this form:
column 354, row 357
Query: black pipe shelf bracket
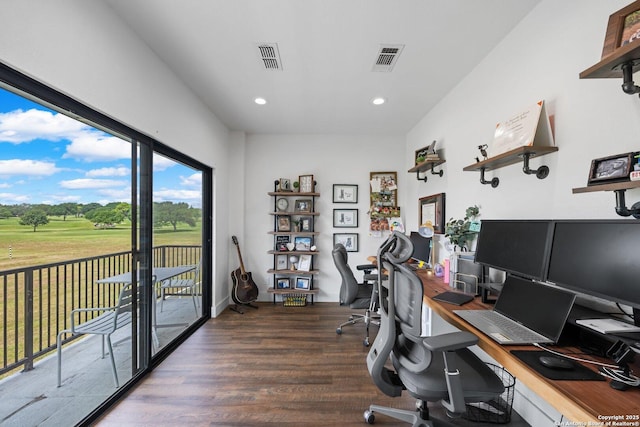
column 427, row 166
column 495, row 181
column 619, row 188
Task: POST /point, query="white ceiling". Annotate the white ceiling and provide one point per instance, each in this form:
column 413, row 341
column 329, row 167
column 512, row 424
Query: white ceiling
column 328, row 49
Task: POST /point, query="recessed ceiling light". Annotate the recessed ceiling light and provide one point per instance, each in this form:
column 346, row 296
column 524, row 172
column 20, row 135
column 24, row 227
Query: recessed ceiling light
column 260, row 101
column 378, row 101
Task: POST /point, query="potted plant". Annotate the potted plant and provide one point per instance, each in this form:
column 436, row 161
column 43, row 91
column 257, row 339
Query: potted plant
column 296, row 186
column 459, row 231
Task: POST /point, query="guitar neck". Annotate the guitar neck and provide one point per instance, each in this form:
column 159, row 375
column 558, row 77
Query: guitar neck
column 240, row 258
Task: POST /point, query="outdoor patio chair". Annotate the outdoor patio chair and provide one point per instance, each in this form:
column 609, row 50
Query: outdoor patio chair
column 182, row 287
column 111, row 319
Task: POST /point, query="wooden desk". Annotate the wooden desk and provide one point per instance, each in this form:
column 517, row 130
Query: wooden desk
column 580, row 401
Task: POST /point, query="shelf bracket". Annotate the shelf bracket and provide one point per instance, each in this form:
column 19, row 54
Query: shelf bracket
column 433, row 172
column 541, row 173
column 495, row 181
column 628, row 86
column 621, row 208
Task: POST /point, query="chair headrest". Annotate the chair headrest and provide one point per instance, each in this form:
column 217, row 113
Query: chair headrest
column 400, row 248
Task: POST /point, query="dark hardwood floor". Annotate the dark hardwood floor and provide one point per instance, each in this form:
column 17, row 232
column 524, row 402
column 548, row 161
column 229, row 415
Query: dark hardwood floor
column 272, row 366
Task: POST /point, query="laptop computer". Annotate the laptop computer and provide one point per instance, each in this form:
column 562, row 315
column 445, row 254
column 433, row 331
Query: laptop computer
column 526, row 312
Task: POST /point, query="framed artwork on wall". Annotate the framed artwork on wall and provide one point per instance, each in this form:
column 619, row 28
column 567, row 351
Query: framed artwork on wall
column 345, row 218
column 432, row 208
column 349, row 240
column 345, row 193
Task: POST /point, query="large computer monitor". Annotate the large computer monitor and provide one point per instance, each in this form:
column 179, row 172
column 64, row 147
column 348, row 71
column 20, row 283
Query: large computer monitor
column 519, row 247
column 421, row 247
column 599, row 258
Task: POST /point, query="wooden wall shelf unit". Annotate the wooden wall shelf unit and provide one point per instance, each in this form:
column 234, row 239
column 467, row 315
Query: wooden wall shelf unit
column 619, row 188
column 520, row 154
column 427, row 165
column 285, row 207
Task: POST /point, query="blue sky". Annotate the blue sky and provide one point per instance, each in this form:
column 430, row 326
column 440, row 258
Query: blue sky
column 47, row 157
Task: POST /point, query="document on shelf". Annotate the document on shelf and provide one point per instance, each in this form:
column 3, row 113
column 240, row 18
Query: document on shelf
column 608, row 326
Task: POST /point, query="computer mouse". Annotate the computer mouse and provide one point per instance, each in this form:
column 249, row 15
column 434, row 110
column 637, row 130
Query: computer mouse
column 553, row 362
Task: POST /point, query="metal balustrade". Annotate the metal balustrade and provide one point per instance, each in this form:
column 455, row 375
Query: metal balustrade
column 35, row 302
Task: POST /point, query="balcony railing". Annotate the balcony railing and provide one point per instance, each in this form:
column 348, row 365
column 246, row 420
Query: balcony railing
column 35, row 302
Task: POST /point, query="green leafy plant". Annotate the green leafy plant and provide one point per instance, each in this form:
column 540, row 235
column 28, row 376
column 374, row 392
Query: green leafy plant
column 459, row 231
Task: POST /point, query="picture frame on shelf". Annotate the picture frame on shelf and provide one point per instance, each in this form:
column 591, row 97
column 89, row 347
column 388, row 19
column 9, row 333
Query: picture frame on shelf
column 349, row 240
column 306, row 223
column 303, row 283
column 284, row 222
column 302, row 205
column 426, row 153
column 307, row 184
column 304, row 262
column 284, row 184
column 623, row 28
column 345, row 193
column 283, row 283
column 282, row 262
column 302, row 243
column 432, row 208
column 281, row 243
column 610, row 169
column 345, row 218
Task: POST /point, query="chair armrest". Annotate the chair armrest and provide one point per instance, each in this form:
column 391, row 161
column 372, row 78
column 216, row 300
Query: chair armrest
column 366, row 267
column 450, row 341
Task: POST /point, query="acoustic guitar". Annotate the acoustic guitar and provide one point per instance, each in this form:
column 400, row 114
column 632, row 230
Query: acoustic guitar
column 244, row 290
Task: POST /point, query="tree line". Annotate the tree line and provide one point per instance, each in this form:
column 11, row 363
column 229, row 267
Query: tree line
column 102, row 216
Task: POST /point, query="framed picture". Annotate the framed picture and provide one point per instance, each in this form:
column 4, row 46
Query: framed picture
column 303, row 283
column 282, row 262
column 304, row 263
column 384, row 189
column 610, row 169
column 285, row 184
column 349, row 240
column 306, row 183
column 346, row 218
column 345, row 193
column 431, row 208
column 623, row 28
column 306, row 223
column 281, row 243
column 283, row 283
column 284, row 222
column 302, row 243
column 424, row 153
column 302, row 205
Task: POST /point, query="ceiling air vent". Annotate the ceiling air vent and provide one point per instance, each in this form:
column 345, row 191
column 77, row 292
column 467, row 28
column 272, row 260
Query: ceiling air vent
column 270, row 56
column 387, row 57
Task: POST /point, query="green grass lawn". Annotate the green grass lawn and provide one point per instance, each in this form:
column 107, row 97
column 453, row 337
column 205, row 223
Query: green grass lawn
column 74, row 238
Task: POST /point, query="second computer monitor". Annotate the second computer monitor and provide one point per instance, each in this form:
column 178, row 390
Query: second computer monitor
column 516, row 246
column 421, row 247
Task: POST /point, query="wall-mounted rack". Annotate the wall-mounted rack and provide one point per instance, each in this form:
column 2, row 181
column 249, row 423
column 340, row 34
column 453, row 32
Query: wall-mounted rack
column 520, row 154
column 619, row 188
column 425, row 166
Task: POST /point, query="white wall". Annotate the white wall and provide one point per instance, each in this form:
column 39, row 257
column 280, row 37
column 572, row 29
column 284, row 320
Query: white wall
column 332, row 159
column 82, row 49
column 539, row 60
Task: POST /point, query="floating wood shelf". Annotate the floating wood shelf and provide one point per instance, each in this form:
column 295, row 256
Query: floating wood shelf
column 520, row 154
column 611, row 65
column 427, row 165
column 619, row 188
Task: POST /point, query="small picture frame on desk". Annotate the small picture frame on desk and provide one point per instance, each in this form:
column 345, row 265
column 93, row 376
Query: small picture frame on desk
column 610, row 169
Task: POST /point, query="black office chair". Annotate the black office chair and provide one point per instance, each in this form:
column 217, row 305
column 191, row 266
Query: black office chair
column 437, row 368
column 357, row 295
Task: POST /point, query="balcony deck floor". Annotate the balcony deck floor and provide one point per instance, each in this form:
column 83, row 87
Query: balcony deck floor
column 33, row 398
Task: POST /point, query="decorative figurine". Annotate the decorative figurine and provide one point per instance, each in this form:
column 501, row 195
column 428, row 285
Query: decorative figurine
column 483, row 151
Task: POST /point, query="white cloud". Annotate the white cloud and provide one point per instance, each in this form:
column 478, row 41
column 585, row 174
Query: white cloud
column 172, row 195
column 87, row 183
column 161, row 163
column 119, row 171
column 115, row 194
column 194, row 180
column 12, row 198
column 4, row 185
column 65, row 198
column 20, row 126
column 97, row 146
column 27, row 167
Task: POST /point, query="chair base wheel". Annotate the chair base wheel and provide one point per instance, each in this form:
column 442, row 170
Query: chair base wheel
column 339, row 331
column 366, row 342
column 369, row 417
